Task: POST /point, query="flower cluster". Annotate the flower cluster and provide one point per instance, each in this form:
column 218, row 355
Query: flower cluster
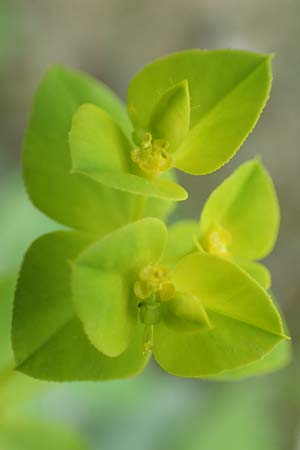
column 95, row 302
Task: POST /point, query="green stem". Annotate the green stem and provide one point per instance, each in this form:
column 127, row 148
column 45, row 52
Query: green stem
column 148, row 339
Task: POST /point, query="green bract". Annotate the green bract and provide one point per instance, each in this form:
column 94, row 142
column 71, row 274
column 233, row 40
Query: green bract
column 47, row 336
column 245, row 324
column 239, row 223
column 227, row 90
column 74, row 199
column 95, row 303
column 240, row 220
column 204, row 317
column 101, row 151
column 185, row 115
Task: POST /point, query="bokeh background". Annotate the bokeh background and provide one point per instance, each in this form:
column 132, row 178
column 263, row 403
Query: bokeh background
column 112, row 39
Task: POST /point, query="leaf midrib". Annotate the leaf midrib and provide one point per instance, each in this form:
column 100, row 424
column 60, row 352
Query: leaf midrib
column 61, row 327
column 211, row 110
column 237, row 319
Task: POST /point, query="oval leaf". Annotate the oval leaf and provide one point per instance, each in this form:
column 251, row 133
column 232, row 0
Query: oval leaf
column 73, row 200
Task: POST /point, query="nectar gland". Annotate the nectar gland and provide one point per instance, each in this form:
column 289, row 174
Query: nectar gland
column 217, row 241
column 152, row 155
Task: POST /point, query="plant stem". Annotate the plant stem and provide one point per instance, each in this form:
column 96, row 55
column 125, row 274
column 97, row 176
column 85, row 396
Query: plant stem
column 148, row 339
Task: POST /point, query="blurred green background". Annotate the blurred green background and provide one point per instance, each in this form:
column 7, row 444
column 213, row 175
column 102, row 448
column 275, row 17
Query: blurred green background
column 112, row 39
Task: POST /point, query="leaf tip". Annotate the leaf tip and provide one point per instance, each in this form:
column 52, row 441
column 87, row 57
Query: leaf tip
column 271, row 56
column 185, row 194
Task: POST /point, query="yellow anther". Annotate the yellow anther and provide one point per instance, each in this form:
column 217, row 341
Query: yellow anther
column 142, row 290
column 152, row 156
column 217, row 242
column 166, row 292
column 154, row 279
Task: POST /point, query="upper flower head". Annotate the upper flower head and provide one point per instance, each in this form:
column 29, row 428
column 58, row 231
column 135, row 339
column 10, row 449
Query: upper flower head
column 190, row 111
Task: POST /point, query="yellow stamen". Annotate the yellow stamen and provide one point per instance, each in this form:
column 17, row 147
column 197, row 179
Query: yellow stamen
column 217, row 242
column 152, row 156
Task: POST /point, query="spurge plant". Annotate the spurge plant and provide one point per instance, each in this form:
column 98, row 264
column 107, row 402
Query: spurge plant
column 95, row 302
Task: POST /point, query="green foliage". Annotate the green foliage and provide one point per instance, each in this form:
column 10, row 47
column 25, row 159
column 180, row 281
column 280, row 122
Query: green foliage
column 278, row 358
column 47, row 161
column 48, row 339
column 245, row 323
column 246, row 206
column 103, row 276
column 92, row 131
column 228, row 90
column 94, row 304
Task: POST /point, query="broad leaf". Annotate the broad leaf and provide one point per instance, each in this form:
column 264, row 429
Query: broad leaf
column 228, row 90
column 103, row 277
column 48, row 340
column 101, row 151
column 246, row 324
column 71, row 199
column 246, row 206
